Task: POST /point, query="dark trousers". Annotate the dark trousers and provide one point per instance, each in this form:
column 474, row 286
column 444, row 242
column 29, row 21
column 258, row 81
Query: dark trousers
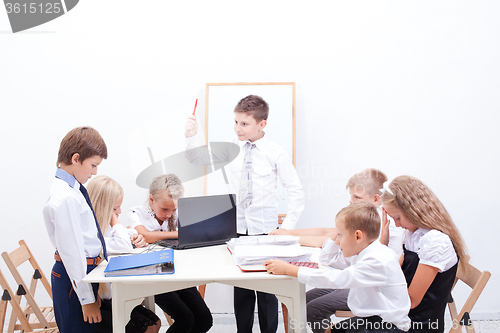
column 188, row 310
column 244, row 306
column 321, row 304
column 106, row 324
column 67, row 307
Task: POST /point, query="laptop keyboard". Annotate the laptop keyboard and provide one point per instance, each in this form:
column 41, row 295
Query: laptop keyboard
column 309, row 264
column 168, row 242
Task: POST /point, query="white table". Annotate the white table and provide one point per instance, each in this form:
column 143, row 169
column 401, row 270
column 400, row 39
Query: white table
column 196, row 267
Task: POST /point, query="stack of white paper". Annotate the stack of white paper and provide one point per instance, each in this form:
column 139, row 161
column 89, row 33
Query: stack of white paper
column 254, row 250
column 263, row 240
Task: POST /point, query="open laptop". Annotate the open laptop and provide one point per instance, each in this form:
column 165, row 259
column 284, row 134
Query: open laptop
column 205, row 221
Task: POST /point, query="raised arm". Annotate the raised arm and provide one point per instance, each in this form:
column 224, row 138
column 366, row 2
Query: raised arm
column 117, row 237
column 384, row 231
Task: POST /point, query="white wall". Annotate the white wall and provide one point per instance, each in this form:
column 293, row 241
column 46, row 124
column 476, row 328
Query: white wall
column 406, row 87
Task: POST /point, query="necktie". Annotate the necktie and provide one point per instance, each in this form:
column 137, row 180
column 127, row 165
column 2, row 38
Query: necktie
column 246, row 193
column 99, row 233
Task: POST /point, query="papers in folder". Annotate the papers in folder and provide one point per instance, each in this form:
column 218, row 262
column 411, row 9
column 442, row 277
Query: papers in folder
column 159, row 262
column 254, row 250
column 263, row 240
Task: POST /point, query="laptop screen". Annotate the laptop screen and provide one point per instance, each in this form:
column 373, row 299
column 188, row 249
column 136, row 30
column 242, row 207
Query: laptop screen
column 207, row 220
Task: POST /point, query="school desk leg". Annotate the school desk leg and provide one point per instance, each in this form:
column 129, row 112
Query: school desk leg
column 149, row 303
column 289, row 292
column 296, row 306
column 121, row 308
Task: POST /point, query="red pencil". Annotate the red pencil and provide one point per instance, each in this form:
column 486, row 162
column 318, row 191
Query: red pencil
column 195, row 104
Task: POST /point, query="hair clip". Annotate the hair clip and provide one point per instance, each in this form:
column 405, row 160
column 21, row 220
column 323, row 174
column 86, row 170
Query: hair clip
column 150, row 212
column 385, row 188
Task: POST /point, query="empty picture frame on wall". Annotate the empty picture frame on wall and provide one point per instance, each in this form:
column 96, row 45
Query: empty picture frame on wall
column 220, row 101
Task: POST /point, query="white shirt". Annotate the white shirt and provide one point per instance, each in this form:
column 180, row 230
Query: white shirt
column 142, row 216
column 433, row 248
column 378, row 286
column 117, row 239
column 269, row 161
column 72, row 230
column 330, row 257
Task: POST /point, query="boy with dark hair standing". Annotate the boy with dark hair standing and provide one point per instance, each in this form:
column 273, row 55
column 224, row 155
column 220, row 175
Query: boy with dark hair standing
column 74, row 232
column 253, row 177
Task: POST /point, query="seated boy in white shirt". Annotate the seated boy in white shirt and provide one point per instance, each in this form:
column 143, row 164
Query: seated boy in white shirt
column 378, row 294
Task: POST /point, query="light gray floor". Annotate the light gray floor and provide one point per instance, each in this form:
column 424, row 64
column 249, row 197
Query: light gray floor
column 225, row 323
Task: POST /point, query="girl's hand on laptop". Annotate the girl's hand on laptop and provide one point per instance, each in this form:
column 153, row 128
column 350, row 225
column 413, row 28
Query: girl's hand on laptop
column 191, row 126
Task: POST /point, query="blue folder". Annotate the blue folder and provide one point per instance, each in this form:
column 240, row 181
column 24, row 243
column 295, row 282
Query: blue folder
column 158, row 262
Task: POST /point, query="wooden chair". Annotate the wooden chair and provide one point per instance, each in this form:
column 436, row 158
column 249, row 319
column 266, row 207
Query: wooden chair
column 170, row 321
column 38, row 317
column 476, row 280
column 8, row 296
column 342, row 314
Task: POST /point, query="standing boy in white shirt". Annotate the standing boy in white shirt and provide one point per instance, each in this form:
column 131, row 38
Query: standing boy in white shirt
column 74, row 232
column 253, row 177
column 378, row 294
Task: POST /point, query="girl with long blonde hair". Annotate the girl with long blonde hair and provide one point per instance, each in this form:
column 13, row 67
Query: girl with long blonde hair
column 106, row 196
column 433, row 249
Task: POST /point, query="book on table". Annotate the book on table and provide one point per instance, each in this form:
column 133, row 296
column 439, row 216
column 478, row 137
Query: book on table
column 250, row 252
column 158, row 262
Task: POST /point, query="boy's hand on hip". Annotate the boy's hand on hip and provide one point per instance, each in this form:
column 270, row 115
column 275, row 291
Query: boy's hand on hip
column 91, row 312
column 191, row 126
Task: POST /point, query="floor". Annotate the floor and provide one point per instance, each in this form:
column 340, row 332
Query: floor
column 225, row 323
